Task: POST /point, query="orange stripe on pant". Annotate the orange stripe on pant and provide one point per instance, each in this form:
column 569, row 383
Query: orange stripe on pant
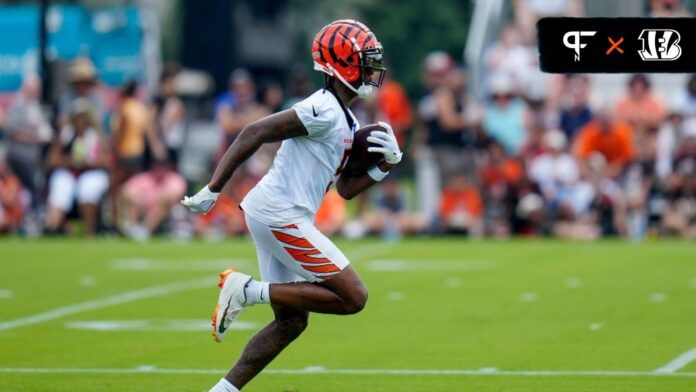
column 322, row 268
column 292, row 240
column 304, row 255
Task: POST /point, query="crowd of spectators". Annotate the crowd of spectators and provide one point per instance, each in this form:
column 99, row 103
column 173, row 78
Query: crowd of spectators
column 102, row 163
column 535, row 156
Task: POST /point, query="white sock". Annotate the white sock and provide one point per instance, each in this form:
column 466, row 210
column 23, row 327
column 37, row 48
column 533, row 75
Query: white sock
column 223, row 386
column 257, row 292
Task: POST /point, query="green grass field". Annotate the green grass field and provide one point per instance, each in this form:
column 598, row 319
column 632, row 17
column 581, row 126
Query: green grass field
column 443, row 315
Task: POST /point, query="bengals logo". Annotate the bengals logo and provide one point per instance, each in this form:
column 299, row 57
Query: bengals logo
column 660, row 45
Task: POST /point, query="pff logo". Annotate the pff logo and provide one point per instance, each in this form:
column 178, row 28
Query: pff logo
column 660, row 45
column 571, row 40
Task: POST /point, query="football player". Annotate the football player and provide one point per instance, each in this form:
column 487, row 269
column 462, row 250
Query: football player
column 301, row 270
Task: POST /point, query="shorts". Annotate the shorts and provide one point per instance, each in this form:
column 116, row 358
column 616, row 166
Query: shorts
column 146, row 191
column 295, row 253
column 65, row 187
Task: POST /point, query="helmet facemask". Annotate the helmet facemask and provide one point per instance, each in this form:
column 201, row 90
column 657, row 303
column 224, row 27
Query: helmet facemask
column 371, row 65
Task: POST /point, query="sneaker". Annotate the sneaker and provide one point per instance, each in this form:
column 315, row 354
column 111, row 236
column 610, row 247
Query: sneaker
column 230, row 302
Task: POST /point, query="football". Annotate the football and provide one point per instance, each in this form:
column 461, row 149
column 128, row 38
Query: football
column 360, row 160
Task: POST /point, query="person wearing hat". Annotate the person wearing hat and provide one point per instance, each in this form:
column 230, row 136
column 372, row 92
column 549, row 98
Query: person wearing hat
column 556, row 172
column 77, row 158
column 506, row 115
column 84, row 84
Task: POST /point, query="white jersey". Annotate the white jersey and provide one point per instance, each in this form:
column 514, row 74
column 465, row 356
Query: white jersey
column 305, row 166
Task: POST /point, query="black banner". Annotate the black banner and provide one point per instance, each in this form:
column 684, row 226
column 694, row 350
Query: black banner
column 591, row 45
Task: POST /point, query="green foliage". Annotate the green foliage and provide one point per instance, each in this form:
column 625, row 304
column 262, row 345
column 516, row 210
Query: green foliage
column 410, row 29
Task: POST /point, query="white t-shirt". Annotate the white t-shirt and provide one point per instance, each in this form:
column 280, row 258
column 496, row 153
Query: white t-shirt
column 305, row 166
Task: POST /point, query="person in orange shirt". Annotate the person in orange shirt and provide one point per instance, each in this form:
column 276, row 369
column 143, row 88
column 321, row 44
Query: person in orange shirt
column 640, row 107
column 132, row 129
column 394, row 105
column 612, row 139
column 461, row 207
column 331, row 215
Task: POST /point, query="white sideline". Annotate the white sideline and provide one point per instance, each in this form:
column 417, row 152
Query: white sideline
column 678, row 362
column 314, row 370
column 129, row 296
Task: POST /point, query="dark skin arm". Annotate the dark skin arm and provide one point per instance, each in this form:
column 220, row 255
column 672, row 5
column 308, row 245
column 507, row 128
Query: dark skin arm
column 274, row 128
column 349, row 187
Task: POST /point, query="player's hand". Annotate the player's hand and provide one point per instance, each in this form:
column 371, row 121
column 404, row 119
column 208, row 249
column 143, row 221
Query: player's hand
column 388, row 146
column 202, row 201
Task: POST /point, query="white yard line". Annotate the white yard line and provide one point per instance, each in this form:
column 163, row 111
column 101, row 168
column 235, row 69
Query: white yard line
column 118, row 299
column 319, row 370
column 678, row 362
column 367, row 251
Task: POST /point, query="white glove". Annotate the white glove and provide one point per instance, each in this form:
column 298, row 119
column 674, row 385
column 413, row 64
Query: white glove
column 387, row 142
column 202, row 201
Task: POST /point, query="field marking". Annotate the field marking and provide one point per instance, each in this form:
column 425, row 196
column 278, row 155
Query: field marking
column 155, row 264
column 360, row 252
column 391, row 265
column 658, row 298
column 118, row 299
column 678, row 362
column 317, row 370
column 154, row 325
column 573, row 283
column 529, row 297
column 212, row 264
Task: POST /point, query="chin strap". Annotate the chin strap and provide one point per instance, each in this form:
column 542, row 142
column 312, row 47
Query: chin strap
column 364, row 91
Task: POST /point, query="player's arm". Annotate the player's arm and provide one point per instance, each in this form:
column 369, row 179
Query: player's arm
column 276, row 127
column 350, row 186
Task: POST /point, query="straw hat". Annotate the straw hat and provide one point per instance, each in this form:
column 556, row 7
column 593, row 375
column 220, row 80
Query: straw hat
column 82, row 70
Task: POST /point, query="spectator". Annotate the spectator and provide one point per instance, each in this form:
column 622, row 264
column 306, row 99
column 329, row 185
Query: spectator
column 688, row 99
column 273, row 97
column 224, row 219
column 508, row 58
column 331, row 215
column 500, row 177
column 556, row 172
column 640, row 106
column 300, row 87
column 11, row 203
column 505, row 117
column 461, row 209
column 148, row 199
column 390, row 217
column 78, row 157
column 671, row 135
column 28, row 131
column 575, row 112
column 667, row 9
column 169, row 115
column 83, row 84
column 610, row 138
column 528, row 12
column 394, row 107
column 679, row 217
column 430, row 138
column 238, row 107
column 131, row 132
